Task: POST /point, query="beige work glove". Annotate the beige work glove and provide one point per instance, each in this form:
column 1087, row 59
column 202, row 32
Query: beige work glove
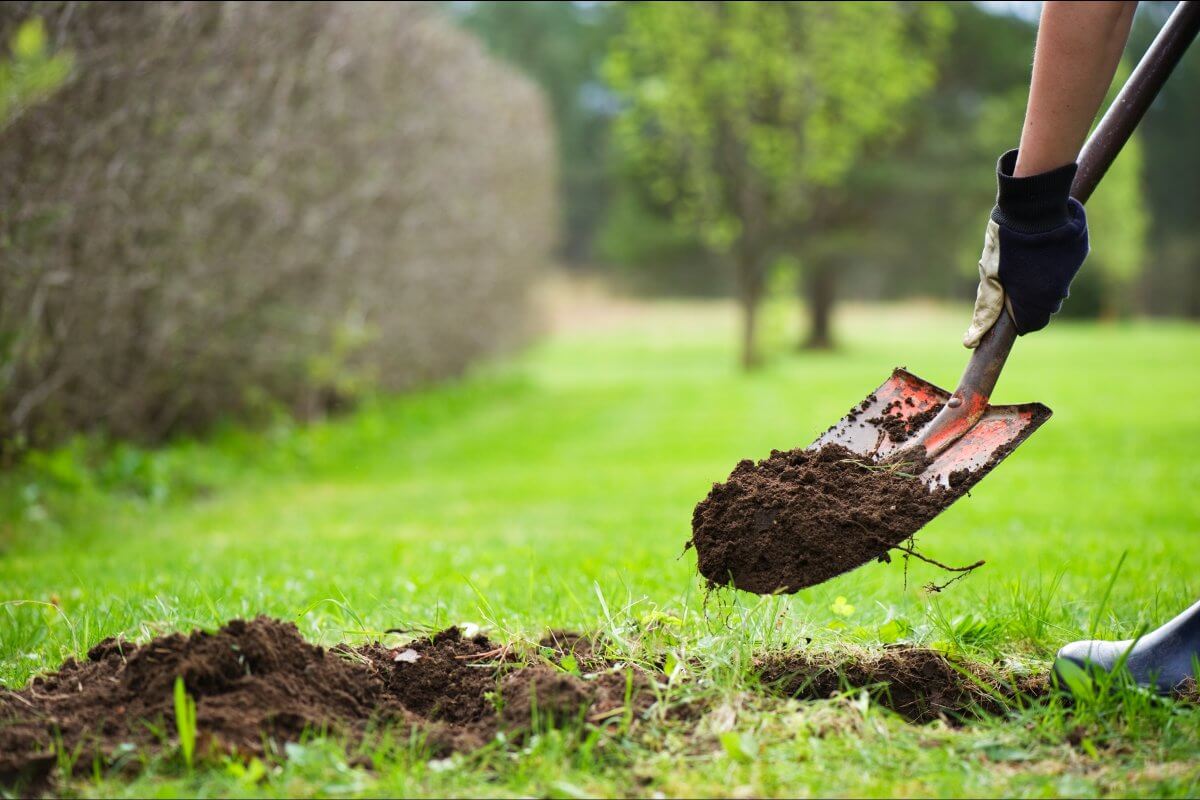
column 989, row 297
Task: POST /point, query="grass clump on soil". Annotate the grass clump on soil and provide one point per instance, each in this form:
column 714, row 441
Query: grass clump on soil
column 553, row 491
column 919, row 684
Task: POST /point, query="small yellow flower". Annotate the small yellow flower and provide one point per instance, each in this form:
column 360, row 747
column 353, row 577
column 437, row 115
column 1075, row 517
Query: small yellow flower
column 841, row 607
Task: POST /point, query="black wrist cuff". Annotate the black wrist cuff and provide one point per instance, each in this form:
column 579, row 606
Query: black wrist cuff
column 1033, row 204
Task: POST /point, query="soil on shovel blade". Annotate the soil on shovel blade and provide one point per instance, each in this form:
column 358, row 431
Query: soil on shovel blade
column 258, row 684
column 802, row 517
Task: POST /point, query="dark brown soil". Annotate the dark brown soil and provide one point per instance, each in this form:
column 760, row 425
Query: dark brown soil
column 588, row 655
column 898, row 427
column 802, row 517
column 920, row 685
column 542, row 696
column 573, row 643
column 258, row 684
column 250, row 680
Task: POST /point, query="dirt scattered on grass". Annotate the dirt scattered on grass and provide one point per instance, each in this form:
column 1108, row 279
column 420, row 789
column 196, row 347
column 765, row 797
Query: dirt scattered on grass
column 801, row 517
column 919, row 684
column 258, row 684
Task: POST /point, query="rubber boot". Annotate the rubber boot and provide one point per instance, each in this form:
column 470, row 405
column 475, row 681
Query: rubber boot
column 1163, row 659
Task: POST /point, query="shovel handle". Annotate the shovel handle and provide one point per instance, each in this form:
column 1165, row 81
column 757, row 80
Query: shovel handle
column 1135, row 98
column 970, row 399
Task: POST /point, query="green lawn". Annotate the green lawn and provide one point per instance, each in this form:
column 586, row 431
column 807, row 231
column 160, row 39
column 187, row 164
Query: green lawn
column 555, row 489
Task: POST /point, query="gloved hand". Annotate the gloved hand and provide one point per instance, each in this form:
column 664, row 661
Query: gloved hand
column 1035, row 243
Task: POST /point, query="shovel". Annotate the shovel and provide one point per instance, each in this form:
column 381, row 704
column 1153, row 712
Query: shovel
column 963, row 436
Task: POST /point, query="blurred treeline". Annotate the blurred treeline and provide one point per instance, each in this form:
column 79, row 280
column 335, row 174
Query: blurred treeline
column 216, row 210
column 225, row 210
column 907, row 217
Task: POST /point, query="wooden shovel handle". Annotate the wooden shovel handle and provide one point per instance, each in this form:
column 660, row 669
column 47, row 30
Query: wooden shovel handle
column 970, row 399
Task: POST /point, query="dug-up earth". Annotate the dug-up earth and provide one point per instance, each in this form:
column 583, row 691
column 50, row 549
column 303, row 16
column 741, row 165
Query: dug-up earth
column 801, row 517
column 258, row 684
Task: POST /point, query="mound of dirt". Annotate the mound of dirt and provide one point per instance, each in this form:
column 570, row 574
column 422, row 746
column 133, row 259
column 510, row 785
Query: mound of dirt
column 802, row 517
column 447, row 679
column 542, row 696
column 258, row 684
column 920, row 685
column 249, row 680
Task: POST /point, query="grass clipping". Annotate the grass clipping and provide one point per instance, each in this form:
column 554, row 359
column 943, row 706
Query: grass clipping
column 802, row 517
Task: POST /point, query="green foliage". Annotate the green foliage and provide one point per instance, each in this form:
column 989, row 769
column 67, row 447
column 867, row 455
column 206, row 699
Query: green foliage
column 737, row 116
column 185, row 722
column 903, row 222
column 1171, row 165
column 1118, row 227
column 927, row 209
column 33, row 73
column 736, row 111
column 915, row 226
column 654, row 254
column 1119, row 224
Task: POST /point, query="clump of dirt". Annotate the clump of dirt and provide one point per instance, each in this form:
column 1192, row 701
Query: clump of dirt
column 919, row 684
column 542, row 696
column 446, row 679
column 801, row 517
column 250, row 680
column 258, row 684
column 900, row 428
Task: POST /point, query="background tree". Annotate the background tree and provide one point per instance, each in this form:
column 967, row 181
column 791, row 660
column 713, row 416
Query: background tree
column 1118, row 223
column 905, row 220
column 1171, row 283
column 736, row 113
column 1109, row 285
column 562, row 47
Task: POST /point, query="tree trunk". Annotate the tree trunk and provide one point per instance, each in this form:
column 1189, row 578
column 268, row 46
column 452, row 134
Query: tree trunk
column 750, row 290
column 821, row 280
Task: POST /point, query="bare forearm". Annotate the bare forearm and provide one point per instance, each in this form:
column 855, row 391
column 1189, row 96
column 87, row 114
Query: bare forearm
column 1078, row 48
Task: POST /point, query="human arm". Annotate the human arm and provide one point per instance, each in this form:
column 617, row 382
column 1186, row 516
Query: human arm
column 1078, row 48
column 1037, row 237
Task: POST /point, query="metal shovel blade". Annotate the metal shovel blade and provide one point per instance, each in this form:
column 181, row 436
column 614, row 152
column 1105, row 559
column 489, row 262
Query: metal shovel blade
column 894, row 415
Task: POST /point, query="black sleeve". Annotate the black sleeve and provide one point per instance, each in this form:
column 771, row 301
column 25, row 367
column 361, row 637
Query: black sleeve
column 1035, row 203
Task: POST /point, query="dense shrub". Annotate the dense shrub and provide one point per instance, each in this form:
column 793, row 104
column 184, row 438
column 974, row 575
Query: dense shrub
column 241, row 206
